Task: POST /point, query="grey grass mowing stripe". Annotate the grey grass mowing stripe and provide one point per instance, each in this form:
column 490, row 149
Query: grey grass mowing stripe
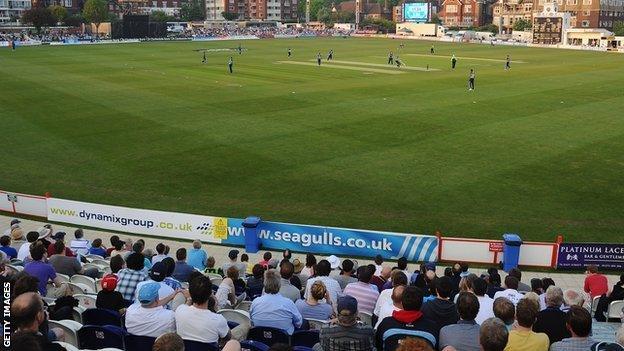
column 465, row 58
column 358, row 63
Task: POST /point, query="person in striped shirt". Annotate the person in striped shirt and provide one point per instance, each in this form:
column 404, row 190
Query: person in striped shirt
column 365, row 293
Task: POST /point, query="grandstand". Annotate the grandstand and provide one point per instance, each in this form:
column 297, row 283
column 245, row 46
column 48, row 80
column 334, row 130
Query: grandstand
column 79, row 328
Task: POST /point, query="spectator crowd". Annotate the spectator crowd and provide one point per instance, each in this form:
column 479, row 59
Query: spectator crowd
column 180, row 296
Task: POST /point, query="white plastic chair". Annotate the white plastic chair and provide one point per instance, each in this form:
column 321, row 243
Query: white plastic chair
column 237, row 316
column 244, row 306
column 14, row 269
column 86, row 281
column 614, row 310
column 98, row 285
column 78, row 288
column 216, row 281
column 67, row 346
column 94, row 257
column 594, row 304
column 63, row 277
column 69, row 327
column 85, row 301
column 100, row 262
column 213, row 276
column 77, row 314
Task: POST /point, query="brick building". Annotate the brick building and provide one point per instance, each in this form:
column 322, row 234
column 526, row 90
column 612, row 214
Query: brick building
column 464, row 13
column 589, row 13
column 11, row 10
column 272, row 10
column 507, row 12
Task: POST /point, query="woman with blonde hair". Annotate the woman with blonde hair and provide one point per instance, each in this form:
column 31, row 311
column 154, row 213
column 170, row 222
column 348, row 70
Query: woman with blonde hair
column 313, row 307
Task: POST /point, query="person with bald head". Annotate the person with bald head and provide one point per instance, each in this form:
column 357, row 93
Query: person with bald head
column 197, row 256
column 397, row 304
column 28, row 314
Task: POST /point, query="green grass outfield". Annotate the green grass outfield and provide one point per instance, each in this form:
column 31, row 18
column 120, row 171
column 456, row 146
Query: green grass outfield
column 537, row 150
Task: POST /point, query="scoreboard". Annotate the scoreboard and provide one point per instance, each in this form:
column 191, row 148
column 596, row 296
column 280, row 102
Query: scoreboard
column 547, row 30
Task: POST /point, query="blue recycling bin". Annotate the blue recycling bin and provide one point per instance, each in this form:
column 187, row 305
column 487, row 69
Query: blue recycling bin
column 252, row 239
column 511, row 251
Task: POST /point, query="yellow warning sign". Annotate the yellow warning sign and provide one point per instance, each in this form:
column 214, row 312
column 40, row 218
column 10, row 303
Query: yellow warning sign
column 220, row 228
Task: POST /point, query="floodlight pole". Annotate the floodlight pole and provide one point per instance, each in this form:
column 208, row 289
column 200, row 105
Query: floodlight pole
column 307, row 14
column 357, row 14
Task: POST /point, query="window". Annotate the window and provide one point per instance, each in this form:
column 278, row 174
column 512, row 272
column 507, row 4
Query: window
column 468, row 9
column 451, row 8
column 585, row 13
column 587, row 2
column 585, row 23
column 572, row 2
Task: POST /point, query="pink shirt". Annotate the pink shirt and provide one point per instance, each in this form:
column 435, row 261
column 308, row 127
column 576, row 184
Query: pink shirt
column 365, row 294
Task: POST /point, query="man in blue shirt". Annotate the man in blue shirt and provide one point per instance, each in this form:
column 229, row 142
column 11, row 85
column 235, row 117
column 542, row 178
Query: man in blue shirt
column 273, row 309
column 5, row 241
column 197, row 256
column 182, row 269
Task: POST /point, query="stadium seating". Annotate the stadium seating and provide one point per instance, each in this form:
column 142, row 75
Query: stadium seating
column 244, row 306
column 87, row 282
column 302, row 348
column 101, row 316
column 317, row 324
column 69, row 327
column 190, row 345
column 252, row 345
column 614, row 311
column 365, row 318
column 268, row 335
column 237, row 316
column 67, row 346
column 86, row 301
column 96, row 337
column 305, row 338
column 394, row 336
column 138, row 343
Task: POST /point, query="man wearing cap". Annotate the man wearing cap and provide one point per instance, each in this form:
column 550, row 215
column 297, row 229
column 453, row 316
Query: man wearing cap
column 80, row 245
column 273, row 309
column 45, row 233
column 15, row 223
column 365, row 293
column 334, row 264
column 233, row 255
column 410, row 320
column 346, row 333
column 17, row 238
column 148, row 317
column 157, row 274
column 109, row 298
column 322, row 271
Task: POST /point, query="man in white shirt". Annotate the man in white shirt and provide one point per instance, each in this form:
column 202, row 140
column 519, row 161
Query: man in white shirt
column 322, row 271
column 385, row 297
column 80, row 245
column 196, row 322
column 24, row 250
column 486, row 303
column 160, row 249
column 378, row 265
column 148, row 317
column 156, row 275
column 511, row 291
column 397, row 304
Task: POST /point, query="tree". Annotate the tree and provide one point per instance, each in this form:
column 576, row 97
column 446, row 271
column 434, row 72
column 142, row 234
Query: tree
column 96, row 12
column 343, row 17
column 489, row 28
column 324, row 15
column 159, row 16
column 521, row 25
column 39, row 17
column 383, row 24
column 618, row 28
column 74, row 21
column 59, row 13
column 193, row 10
column 229, row 16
